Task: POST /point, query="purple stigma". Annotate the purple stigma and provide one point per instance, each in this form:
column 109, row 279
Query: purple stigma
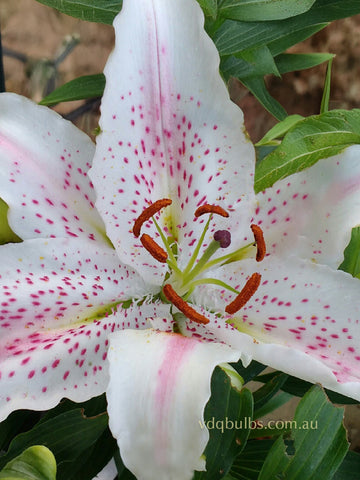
column 223, row 237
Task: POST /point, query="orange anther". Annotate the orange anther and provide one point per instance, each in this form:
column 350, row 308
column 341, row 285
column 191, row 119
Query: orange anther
column 153, row 248
column 246, row 293
column 210, row 209
column 185, row 308
column 148, row 213
column 260, row 242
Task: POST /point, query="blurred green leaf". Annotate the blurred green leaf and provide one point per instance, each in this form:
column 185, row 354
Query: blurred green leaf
column 88, row 86
column 350, row 467
column 319, row 442
column 311, row 139
column 351, row 263
column 263, row 10
column 35, row 463
column 225, row 415
column 290, row 62
column 324, row 107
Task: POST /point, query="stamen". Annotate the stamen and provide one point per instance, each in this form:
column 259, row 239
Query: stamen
column 246, row 293
column 210, row 209
column 184, row 307
column 148, row 213
column 260, row 242
column 153, row 248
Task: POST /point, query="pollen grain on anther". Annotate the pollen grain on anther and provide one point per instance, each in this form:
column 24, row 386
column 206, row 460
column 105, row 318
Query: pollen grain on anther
column 260, row 242
column 246, row 293
column 210, row 209
column 153, row 248
column 184, row 307
column 148, row 213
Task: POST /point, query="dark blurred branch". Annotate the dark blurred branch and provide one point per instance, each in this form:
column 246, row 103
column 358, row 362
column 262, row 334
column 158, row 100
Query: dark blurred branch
column 90, row 105
column 14, row 54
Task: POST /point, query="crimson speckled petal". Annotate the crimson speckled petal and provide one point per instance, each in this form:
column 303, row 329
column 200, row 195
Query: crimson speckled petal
column 47, row 284
column 43, row 177
column 301, row 305
column 42, row 367
column 311, row 214
column 169, row 129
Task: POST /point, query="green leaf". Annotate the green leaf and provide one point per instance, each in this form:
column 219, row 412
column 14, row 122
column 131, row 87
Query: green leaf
column 259, row 61
column 324, row 107
column 6, row 234
column 18, row 421
column 248, row 464
column 319, row 441
column 272, row 404
column 311, row 139
column 35, row 463
column 351, row 263
column 290, row 62
column 101, row 11
column 350, row 467
column 233, row 36
column 298, row 387
column 279, row 129
column 67, row 435
column 257, row 87
column 267, row 391
column 249, row 372
column 90, row 462
column 292, row 37
column 88, row 86
column 276, row 461
column 209, row 7
column 225, row 416
column 263, row 10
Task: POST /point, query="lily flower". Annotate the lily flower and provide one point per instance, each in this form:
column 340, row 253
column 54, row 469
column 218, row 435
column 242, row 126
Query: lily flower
column 142, row 273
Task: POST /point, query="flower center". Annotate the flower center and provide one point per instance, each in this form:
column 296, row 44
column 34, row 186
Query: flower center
column 186, row 280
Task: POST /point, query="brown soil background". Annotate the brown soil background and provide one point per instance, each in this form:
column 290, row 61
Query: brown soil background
column 38, row 32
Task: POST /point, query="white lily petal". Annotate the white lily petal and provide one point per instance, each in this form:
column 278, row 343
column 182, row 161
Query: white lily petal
column 43, row 177
column 311, row 214
column 161, row 435
column 169, row 129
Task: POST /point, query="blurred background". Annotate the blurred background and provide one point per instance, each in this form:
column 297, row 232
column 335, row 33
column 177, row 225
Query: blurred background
column 33, row 36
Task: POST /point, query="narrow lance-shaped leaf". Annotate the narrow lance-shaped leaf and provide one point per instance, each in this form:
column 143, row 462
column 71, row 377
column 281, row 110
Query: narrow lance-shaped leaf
column 88, row 86
column 101, row 11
